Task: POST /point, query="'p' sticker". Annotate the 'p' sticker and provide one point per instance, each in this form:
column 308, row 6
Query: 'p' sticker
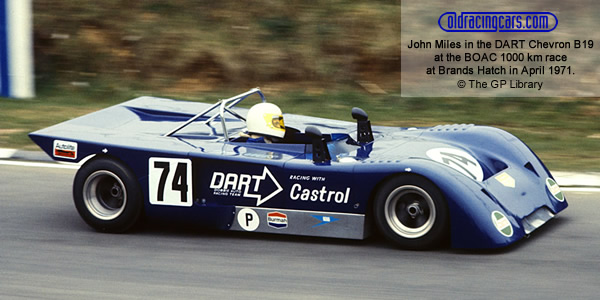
column 502, row 223
column 555, row 189
column 64, row 149
column 248, row 219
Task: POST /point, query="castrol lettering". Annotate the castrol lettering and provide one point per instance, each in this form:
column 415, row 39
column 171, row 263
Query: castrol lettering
column 298, row 192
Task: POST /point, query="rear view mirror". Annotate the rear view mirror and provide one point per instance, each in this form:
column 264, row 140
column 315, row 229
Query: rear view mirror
column 364, row 133
column 320, row 153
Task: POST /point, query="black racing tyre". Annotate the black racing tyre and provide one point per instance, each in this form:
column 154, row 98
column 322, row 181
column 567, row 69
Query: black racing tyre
column 107, row 195
column 411, row 212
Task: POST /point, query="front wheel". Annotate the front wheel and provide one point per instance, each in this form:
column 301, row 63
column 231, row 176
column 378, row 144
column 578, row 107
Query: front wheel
column 411, row 212
column 107, row 195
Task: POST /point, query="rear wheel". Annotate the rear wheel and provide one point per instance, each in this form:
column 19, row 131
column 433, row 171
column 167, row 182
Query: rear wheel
column 107, row 195
column 411, row 212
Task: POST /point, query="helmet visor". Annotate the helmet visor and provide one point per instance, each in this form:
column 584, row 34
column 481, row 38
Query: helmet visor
column 275, row 121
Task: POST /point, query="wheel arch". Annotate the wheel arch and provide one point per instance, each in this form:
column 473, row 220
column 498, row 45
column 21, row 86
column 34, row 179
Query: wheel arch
column 96, row 156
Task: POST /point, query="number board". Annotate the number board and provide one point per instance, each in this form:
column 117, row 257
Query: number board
column 170, row 181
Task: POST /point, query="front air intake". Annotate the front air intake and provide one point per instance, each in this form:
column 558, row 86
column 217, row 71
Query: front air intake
column 537, row 219
column 529, row 167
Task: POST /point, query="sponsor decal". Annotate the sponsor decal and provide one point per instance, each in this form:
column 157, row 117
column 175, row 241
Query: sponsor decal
column 277, row 220
column 248, row 219
column 64, row 149
column 244, row 185
column 459, row 160
column 555, row 189
column 502, row 223
column 324, row 220
column 506, row 180
column 297, row 192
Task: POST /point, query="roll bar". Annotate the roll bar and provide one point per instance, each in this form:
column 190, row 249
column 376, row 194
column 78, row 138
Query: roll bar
column 224, row 106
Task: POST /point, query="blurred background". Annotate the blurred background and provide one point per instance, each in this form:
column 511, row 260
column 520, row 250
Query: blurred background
column 319, row 58
column 190, row 46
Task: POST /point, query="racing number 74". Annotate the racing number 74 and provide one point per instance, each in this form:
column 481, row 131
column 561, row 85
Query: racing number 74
column 169, row 181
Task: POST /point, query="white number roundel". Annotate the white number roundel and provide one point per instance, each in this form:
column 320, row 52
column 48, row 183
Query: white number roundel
column 459, row 160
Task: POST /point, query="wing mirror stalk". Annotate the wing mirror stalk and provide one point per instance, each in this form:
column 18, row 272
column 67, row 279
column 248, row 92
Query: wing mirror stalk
column 364, row 133
column 320, row 153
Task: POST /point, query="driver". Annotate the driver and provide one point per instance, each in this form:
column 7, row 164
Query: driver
column 265, row 123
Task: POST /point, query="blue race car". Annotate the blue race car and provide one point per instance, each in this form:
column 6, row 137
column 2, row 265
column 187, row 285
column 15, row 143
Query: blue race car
column 470, row 186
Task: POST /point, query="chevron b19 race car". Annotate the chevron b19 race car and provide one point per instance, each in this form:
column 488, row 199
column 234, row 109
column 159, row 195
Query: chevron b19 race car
column 464, row 185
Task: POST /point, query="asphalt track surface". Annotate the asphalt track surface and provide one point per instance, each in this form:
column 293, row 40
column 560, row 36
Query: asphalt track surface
column 47, row 251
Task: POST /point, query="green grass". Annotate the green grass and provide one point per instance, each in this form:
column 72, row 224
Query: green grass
column 565, row 133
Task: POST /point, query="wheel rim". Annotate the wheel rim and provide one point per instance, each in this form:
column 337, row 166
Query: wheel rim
column 410, row 211
column 104, row 195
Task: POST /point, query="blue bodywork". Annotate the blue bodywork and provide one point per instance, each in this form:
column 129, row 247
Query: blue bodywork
column 507, row 176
